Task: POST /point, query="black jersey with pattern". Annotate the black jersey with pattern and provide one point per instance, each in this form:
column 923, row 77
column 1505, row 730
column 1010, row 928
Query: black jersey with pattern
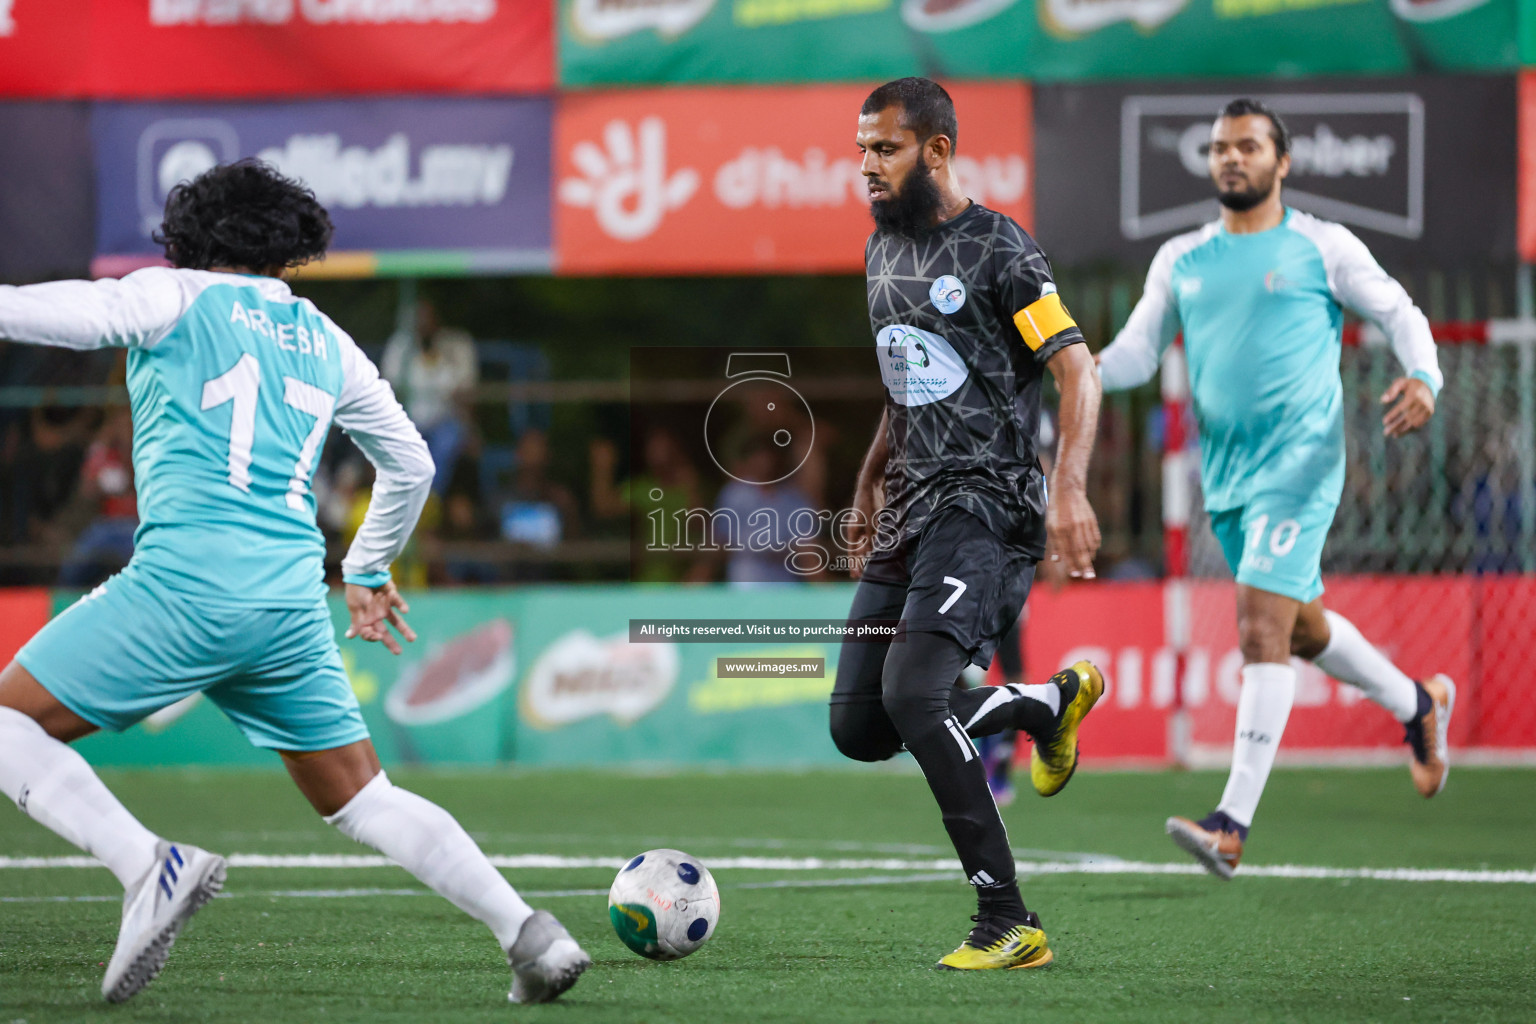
column 962, row 375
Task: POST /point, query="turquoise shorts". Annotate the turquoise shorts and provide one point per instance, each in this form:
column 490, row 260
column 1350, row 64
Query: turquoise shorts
column 1275, row 542
column 132, row 647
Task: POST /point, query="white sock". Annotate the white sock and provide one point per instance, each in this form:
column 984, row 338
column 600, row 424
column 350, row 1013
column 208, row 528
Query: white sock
column 1350, row 658
column 426, row 840
column 1048, row 694
column 57, row 788
column 1262, row 708
column 1045, row 693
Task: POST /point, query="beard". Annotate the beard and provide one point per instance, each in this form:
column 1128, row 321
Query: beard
column 1244, row 199
column 914, row 210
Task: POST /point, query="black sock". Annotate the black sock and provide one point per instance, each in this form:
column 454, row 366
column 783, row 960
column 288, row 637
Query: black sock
column 1426, row 702
column 1002, row 902
column 917, row 695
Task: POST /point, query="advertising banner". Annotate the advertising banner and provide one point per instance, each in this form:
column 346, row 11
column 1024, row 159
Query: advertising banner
column 1422, row 169
column 608, row 42
column 46, row 212
column 685, row 181
column 154, row 49
column 398, row 174
column 1527, row 142
column 548, row 676
column 554, row 676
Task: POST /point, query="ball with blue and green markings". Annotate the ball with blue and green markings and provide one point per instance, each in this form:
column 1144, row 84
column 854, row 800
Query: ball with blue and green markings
column 664, row 904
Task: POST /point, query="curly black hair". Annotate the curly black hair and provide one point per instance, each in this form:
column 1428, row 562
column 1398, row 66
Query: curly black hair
column 244, row 214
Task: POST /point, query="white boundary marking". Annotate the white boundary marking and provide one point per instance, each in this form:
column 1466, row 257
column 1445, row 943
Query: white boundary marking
column 1104, row 866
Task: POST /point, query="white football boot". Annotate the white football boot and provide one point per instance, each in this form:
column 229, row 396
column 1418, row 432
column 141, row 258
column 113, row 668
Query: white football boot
column 176, row 887
column 545, row 960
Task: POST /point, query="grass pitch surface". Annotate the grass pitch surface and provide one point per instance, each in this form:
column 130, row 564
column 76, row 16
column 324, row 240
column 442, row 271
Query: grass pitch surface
column 842, row 919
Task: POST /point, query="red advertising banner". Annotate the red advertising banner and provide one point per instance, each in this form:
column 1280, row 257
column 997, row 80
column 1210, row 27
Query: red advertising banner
column 687, row 181
column 155, row 49
column 1527, row 144
column 22, row 613
column 1474, row 629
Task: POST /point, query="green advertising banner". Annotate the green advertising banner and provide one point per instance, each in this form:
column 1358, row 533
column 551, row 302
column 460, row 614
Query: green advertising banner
column 607, row 42
column 548, row 676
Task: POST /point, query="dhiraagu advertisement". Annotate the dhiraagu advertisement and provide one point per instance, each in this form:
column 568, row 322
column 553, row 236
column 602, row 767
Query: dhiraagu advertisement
column 546, row 676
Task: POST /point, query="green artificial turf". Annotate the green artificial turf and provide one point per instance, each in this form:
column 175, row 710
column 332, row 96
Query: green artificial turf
column 1130, row 947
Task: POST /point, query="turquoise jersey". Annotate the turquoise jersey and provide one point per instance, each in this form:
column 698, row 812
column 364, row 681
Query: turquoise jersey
column 1261, row 333
column 230, row 411
column 234, row 384
column 1261, row 316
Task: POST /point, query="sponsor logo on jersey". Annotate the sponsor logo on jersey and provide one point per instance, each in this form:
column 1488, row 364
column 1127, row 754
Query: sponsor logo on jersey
column 1189, row 287
column 1274, row 281
column 918, row 367
column 948, row 294
column 613, row 19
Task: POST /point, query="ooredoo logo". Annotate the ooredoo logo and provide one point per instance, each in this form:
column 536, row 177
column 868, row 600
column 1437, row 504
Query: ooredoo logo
column 625, row 182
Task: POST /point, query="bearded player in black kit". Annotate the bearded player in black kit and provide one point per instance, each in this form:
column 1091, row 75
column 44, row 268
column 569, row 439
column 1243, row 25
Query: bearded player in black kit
column 966, row 320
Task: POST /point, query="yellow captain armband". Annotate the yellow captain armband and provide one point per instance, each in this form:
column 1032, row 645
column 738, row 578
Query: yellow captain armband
column 1042, row 320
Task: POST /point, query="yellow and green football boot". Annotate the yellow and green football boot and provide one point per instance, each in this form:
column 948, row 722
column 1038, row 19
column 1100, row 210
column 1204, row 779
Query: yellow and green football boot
column 995, row 947
column 1054, row 757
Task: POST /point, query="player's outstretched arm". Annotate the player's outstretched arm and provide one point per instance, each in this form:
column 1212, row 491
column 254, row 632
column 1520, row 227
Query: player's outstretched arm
column 1072, row 530
column 861, row 532
column 1132, row 358
column 135, row 311
column 371, row 415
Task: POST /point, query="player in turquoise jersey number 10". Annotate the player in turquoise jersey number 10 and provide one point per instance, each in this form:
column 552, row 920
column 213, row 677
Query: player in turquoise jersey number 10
column 234, row 383
column 1258, row 296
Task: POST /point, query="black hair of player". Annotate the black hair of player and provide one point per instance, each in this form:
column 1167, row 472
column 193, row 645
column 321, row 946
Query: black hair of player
column 926, row 109
column 1245, row 106
column 246, row 215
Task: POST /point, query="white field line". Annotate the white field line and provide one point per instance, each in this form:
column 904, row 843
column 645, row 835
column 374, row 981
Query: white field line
column 1104, row 866
column 335, row 894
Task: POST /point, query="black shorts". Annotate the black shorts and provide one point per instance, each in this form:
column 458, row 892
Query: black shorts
column 957, row 578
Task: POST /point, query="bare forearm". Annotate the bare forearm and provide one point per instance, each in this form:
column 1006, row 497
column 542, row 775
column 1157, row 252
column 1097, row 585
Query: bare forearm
column 1079, row 416
column 872, row 472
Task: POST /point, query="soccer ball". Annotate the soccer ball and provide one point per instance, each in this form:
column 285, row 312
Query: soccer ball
column 664, row 904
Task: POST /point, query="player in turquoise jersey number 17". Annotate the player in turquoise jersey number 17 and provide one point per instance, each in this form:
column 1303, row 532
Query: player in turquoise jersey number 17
column 1258, row 296
column 234, row 383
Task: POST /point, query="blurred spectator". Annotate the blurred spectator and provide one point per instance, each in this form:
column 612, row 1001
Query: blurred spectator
column 435, row 370
column 45, row 471
column 465, row 525
column 653, row 500
column 106, row 486
column 773, row 516
column 537, row 510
